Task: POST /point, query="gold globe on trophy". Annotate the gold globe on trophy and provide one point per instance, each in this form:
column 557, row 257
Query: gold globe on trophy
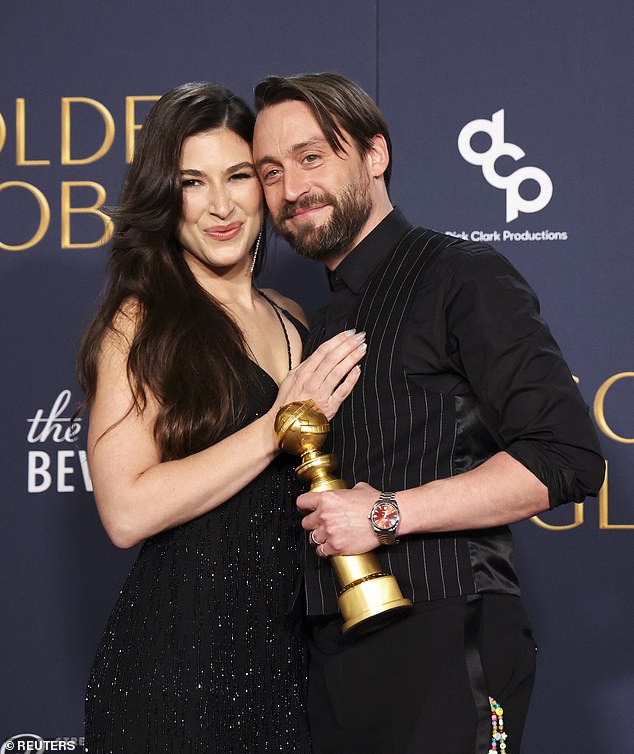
column 368, row 597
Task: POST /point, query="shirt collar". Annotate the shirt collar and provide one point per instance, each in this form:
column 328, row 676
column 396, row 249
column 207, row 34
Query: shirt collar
column 360, row 264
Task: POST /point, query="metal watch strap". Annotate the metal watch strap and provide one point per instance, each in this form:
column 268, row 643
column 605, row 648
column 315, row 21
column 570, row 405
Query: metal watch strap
column 387, row 537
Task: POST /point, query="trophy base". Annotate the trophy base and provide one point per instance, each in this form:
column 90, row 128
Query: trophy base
column 371, row 604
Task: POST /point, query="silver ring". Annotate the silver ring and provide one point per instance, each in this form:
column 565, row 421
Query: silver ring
column 313, row 540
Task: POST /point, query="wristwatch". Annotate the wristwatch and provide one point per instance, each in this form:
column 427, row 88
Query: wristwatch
column 385, row 518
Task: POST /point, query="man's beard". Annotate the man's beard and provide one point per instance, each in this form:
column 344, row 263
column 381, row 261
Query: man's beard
column 351, row 207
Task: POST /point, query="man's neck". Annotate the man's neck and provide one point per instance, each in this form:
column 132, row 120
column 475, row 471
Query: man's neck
column 379, row 212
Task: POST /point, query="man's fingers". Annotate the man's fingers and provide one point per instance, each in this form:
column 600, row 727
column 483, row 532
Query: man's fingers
column 310, row 522
column 307, row 501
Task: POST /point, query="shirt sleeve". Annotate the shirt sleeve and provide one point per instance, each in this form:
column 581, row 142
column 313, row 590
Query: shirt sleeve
column 516, row 369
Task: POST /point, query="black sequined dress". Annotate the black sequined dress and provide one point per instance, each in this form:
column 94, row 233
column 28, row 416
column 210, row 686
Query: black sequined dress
column 199, row 654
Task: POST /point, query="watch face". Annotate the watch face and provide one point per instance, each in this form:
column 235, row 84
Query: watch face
column 385, row 516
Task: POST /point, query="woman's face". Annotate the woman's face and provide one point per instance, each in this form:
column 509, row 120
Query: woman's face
column 222, row 203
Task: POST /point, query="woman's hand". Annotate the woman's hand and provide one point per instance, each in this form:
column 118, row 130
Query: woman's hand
column 139, row 495
column 327, row 376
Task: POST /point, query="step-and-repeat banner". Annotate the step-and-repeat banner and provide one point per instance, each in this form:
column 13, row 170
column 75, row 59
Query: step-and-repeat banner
column 511, row 124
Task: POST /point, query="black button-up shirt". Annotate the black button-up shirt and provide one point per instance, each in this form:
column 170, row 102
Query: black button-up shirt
column 473, row 328
column 459, row 366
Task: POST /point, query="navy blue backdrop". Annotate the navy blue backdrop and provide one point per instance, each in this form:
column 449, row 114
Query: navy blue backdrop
column 545, row 172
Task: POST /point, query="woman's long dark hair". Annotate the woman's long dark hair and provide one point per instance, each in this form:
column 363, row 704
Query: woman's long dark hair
column 186, row 350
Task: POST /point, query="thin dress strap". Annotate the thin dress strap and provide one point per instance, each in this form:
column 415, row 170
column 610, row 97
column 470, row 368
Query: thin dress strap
column 277, row 309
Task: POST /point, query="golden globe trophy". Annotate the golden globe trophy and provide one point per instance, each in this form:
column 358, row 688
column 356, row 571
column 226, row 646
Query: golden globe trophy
column 368, row 597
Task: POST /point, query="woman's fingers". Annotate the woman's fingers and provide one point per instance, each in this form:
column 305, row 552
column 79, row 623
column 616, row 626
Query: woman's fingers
column 328, row 375
column 332, row 351
column 331, row 376
column 342, row 391
column 332, row 361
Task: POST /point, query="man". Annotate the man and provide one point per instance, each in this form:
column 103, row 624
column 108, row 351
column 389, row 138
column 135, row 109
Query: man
column 465, row 419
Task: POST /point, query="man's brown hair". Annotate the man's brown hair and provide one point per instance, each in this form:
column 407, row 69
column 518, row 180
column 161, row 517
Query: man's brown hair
column 336, row 102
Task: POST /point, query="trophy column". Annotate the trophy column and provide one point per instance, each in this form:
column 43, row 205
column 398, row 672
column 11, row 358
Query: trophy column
column 368, row 597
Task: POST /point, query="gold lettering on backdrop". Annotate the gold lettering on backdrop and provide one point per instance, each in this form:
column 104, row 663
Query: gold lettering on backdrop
column 578, row 508
column 3, row 132
column 20, row 136
column 66, row 130
column 45, row 215
column 604, row 508
column 131, row 127
column 67, row 211
column 598, row 408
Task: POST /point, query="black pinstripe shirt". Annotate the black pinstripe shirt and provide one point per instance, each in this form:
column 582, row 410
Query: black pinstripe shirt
column 459, row 366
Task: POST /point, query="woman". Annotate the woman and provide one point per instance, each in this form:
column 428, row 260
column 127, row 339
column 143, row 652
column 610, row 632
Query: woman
column 184, row 369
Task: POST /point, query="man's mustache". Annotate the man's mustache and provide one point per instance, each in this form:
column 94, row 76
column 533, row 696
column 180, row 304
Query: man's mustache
column 289, row 209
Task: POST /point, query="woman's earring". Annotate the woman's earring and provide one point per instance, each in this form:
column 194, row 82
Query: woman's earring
column 256, row 248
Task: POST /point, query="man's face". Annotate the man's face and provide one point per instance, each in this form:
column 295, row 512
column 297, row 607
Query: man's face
column 319, row 199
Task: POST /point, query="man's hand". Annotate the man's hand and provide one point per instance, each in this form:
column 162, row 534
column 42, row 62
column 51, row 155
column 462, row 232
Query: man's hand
column 338, row 520
column 499, row 491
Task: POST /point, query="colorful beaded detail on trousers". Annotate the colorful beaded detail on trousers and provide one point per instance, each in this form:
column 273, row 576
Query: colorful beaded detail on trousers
column 498, row 736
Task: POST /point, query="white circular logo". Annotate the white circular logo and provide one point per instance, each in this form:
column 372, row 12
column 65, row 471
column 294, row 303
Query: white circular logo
column 515, row 203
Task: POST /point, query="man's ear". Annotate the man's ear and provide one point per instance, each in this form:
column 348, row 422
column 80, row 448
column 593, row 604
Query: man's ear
column 378, row 156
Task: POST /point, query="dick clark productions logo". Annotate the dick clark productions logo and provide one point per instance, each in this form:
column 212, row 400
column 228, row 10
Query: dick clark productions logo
column 515, row 202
